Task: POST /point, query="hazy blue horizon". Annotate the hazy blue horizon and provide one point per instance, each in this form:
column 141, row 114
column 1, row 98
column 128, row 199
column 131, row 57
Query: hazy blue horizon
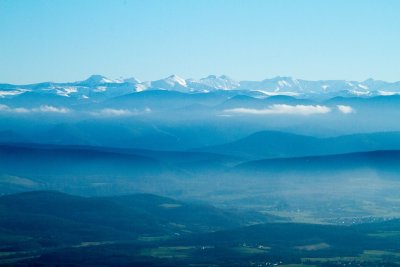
column 247, row 40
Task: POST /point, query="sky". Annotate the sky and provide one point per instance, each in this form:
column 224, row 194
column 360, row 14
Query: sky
column 54, row 40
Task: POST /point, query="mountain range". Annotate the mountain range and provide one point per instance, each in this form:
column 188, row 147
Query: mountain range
column 98, row 86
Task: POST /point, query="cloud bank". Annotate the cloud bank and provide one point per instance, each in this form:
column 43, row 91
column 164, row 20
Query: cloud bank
column 282, row 109
column 106, row 112
column 43, row 109
column 345, row 109
column 111, row 112
column 115, row 112
column 52, row 109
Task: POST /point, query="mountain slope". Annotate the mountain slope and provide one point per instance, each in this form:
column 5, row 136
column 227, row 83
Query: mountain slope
column 101, row 170
column 388, row 160
column 49, row 218
column 273, row 144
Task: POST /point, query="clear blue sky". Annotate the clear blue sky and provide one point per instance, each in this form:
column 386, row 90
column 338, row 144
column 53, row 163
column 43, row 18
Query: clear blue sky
column 68, row 40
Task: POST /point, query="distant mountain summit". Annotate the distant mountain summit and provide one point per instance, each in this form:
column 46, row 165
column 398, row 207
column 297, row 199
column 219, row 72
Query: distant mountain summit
column 172, row 82
column 95, row 80
column 222, row 82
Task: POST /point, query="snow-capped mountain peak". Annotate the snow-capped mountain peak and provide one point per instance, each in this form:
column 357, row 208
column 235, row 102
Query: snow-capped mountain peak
column 173, row 82
column 173, row 79
column 222, row 82
column 96, row 79
column 132, row 80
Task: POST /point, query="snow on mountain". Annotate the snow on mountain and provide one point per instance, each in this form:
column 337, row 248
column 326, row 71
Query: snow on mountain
column 100, row 87
column 98, row 80
column 220, row 83
column 93, row 87
column 11, row 93
column 305, row 88
column 172, row 82
column 276, row 84
column 212, row 83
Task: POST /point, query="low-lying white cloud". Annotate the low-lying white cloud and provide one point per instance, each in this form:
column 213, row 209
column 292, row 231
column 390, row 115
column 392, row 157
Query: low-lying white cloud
column 52, row 109
column 43, row 109
column 116, row 112
column 111, row 112
column 3, row 107
column 20, row 110
column 106, row 112
column 345, row 109
column 282, row 109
